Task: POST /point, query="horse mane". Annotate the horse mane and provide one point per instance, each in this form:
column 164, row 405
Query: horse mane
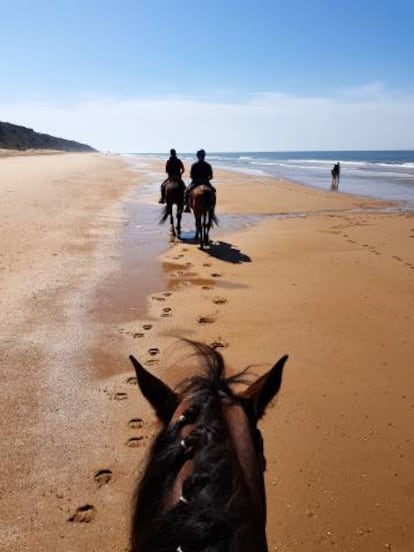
column 215, row 492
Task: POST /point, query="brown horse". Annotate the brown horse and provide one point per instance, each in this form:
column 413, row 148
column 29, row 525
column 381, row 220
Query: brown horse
column 202, row 201
column 174, row 195
column 203, row 486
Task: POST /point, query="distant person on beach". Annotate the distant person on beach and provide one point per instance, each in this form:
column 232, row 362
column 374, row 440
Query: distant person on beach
column 335, row 176
column 201, row 173
column 175, row 169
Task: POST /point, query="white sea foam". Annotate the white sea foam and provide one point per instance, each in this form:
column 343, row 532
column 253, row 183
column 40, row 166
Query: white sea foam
column 387, row 175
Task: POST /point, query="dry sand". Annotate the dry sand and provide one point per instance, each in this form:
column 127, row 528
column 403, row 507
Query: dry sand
column 324, row 277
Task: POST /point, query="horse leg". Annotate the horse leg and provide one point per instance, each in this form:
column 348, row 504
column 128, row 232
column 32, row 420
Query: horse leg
column 179, row 215
column 205, row 230
column 197, row 226
column 208, row 226
column 172, row 221
column 199, row 231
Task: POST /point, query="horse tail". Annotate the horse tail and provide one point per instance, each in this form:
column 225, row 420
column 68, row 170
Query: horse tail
column 165, row 214
column 214, row 218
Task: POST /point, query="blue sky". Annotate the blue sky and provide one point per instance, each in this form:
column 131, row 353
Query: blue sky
column 148, row 74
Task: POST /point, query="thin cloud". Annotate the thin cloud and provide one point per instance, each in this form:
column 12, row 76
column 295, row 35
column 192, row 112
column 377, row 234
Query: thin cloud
column 367, row 117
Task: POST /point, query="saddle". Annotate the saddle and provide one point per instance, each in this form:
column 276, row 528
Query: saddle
column 201, row 186
column 204, row 185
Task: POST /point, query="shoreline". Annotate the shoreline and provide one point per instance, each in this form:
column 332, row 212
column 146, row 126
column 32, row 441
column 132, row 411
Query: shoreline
column 397, row 204
column 331, row 287
column 404, row 204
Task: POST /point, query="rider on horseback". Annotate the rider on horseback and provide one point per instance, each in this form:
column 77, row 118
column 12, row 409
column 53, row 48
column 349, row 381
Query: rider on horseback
column 175, row 169
column 201, row 173
column 335, row 176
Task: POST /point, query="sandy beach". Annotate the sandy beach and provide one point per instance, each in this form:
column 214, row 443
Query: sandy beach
column 326, row 278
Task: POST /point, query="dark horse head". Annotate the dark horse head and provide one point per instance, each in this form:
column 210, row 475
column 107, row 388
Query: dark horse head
column 203, row 485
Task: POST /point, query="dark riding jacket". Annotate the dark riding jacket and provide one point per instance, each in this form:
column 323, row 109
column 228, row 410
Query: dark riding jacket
column 201, row 173
column 174, row 167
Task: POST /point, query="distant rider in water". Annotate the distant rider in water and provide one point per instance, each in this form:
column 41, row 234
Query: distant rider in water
column 336, row 170
column 201, row 173
column 175, row 169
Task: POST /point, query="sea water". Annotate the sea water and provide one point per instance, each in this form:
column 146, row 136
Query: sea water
column 380, row 174
column 383, row 174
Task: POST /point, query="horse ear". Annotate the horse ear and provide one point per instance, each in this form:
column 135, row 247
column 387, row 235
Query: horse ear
column 158, row 394
column 261, row 392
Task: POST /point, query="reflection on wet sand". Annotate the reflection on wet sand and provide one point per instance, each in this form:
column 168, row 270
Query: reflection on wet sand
column 123, row 296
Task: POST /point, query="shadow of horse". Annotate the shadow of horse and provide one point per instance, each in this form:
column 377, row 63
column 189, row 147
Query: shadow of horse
column 228, row 253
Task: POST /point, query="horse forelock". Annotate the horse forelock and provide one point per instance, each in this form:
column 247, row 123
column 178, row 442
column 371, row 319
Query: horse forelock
column 215, row 495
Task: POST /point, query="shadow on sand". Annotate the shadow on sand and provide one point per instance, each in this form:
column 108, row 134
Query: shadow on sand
column 227, row 252
column 219, row 249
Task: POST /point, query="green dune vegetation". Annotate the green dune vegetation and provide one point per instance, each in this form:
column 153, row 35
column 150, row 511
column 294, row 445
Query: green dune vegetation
column 17, row 137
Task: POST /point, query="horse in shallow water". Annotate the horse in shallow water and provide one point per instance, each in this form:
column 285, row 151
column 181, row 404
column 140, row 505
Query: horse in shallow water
column 202, row 201
column 335, row 172
column 203, row 485
column 174, row 195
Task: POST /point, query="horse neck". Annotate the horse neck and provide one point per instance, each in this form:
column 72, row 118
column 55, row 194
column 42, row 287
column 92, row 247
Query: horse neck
column 243, row 445
column 221, row 489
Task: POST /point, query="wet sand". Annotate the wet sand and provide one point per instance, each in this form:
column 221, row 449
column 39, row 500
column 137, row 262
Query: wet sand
column 326, row 278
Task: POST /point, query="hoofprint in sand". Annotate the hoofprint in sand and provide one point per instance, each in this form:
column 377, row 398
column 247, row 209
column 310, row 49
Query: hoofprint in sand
column 331, row 284
column 61, row 218
column 328, row 279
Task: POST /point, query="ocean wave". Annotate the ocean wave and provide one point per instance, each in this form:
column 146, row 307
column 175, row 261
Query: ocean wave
column 312, row 161
column 395, row 165
column 266, row 163
column 386, row 175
